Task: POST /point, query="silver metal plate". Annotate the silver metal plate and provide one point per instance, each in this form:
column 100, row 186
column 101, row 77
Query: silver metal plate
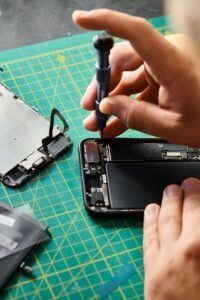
column 21, row 130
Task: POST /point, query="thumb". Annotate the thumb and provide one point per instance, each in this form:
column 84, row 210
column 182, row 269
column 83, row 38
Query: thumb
column 141, row 115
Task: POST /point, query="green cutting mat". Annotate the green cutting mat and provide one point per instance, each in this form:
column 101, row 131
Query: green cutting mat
column 86, row 258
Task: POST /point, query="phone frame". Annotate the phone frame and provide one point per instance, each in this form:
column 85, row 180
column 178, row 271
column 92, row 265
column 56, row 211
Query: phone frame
column 99, row 211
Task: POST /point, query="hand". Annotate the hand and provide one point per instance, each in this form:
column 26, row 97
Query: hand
column 172, row 244
column 166, row 73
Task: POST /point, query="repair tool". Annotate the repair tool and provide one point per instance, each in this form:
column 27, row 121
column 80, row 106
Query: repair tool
column 103, row 43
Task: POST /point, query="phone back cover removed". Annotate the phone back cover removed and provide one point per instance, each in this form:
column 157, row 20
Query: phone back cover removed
column 124, row 175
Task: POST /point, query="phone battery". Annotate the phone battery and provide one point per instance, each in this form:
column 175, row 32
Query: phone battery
column 134, row 185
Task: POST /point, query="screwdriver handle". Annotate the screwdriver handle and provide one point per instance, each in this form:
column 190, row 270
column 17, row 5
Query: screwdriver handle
column 103, row 43
column 103, row 78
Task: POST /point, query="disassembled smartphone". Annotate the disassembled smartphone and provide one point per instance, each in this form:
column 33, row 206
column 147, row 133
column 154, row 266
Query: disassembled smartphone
column 27, row 140
column 123, row 175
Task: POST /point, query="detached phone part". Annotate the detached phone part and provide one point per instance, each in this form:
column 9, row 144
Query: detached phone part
column 124, row 175
column 28, row 141
column 19, row 234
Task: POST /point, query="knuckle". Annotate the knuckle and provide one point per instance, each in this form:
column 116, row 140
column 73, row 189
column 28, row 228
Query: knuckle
column 123, row 85
column 155, row 289
column 169, row 218
column 166, row 268
column 130, row 121
column 107, row 14
column 149, row 228
column 191, row 249
column 153, row 284
column 147, row 242
column 149, row 237
column 135, row 116
column 142, row 22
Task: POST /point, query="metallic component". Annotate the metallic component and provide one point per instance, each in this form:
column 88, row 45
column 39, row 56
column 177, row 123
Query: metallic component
column 183, row 155
column 91, row 152
column 105, row 194
column 174, row 154
column 97, row 197
column 33, row 160
column 104, row 179
column 22, row 130
column 108, row 153
column 26, row 269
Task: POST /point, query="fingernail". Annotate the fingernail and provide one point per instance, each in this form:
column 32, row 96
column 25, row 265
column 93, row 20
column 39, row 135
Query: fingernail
column 172, row 190
column 151, row 209
column 189, row 183
column 80, row 11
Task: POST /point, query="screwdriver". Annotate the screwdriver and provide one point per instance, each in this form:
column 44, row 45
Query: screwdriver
column 103, row 43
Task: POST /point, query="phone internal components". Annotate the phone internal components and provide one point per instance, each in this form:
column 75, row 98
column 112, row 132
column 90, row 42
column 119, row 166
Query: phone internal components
column 124, row 175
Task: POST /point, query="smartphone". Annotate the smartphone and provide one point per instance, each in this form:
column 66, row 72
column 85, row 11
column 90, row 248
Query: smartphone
column 124, row 175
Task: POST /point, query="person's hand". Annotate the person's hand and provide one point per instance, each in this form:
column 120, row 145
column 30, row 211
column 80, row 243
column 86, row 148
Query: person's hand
column 171, row 244
column 164, row 72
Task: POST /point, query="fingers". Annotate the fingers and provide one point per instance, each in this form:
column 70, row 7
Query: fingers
column 150, row 236
column 131, row 83
column 170, row 218
column 88, row 99
column 142, row 115
column 156, row 51
column 122, row 58
column 90, row 123
column 146, row 95
column 191, row 208
column 114, row 128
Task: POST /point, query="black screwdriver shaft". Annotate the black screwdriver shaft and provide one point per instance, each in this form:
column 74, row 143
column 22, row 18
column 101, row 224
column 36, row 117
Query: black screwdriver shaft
column 103, row 43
